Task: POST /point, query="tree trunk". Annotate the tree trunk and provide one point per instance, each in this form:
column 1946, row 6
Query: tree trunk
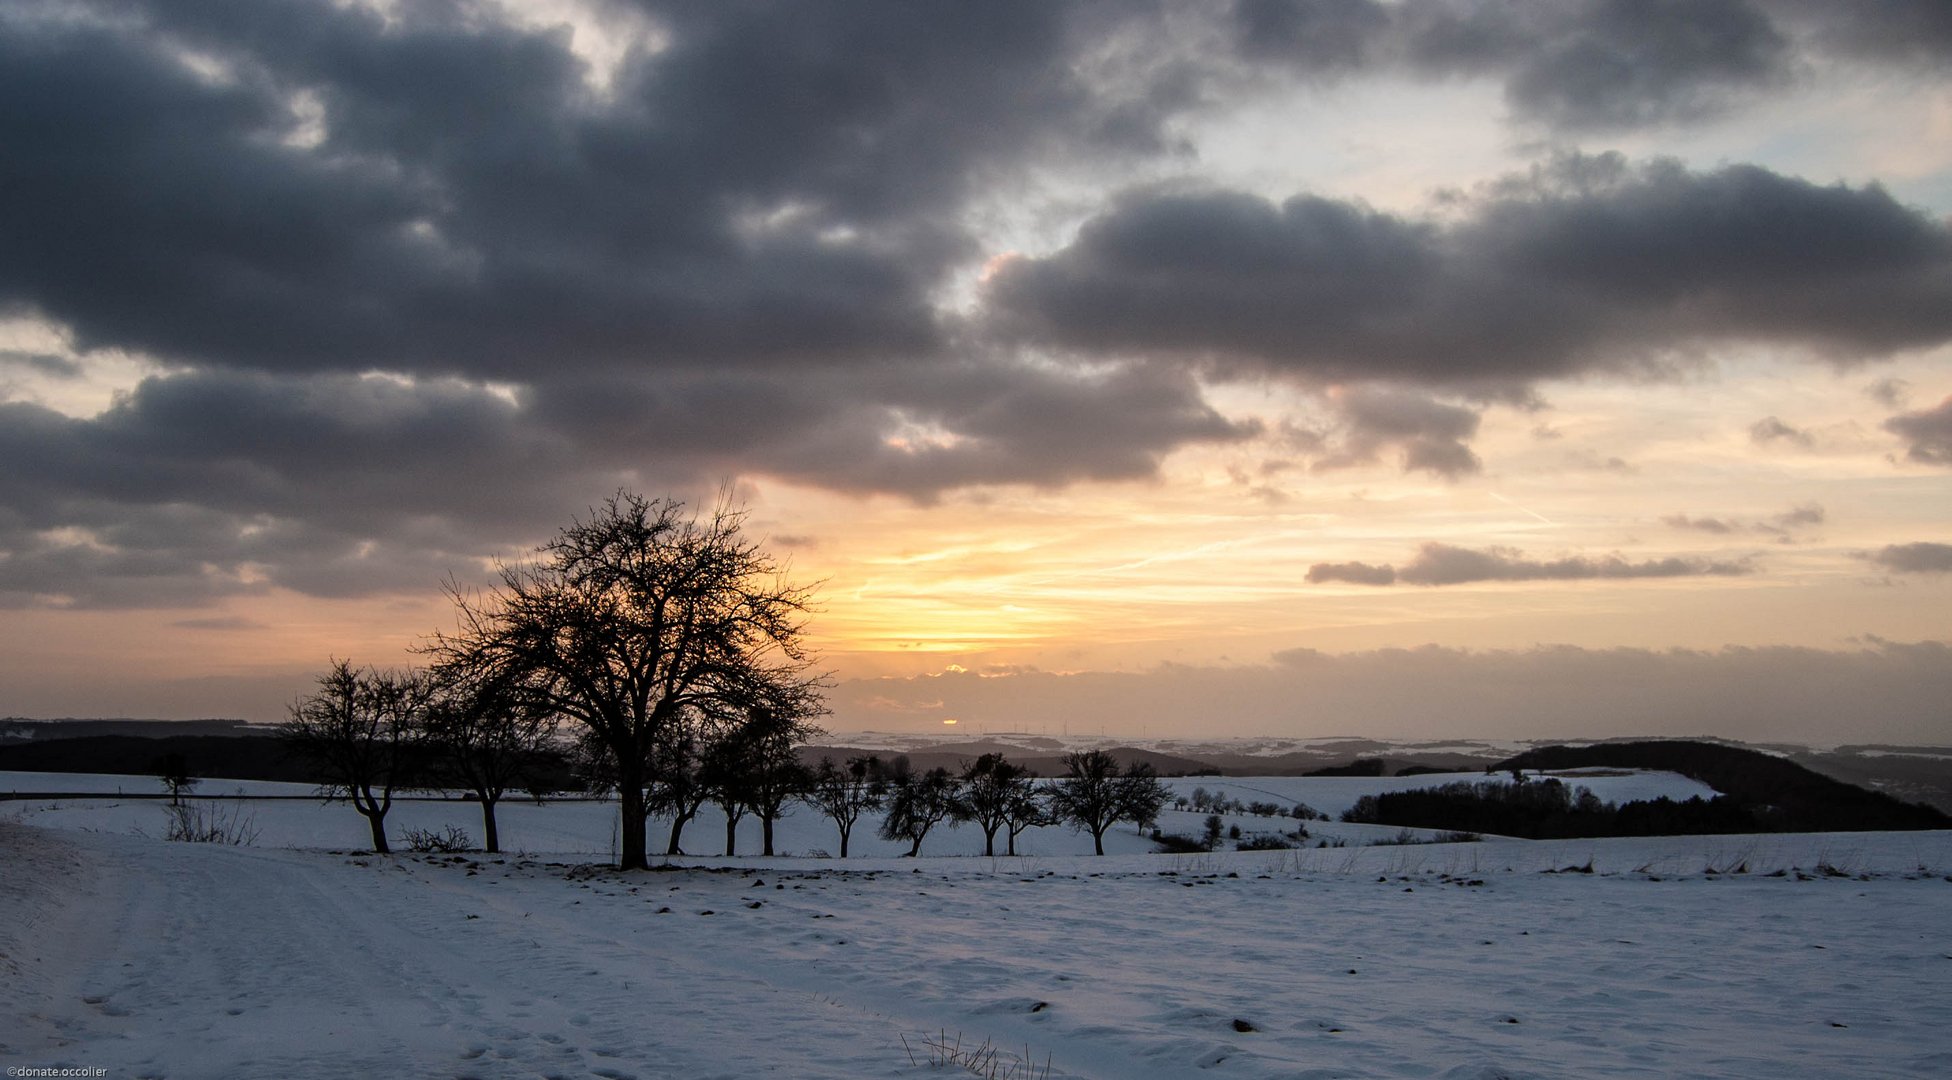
column 678, row 821
column 915, row 848
column 766, row 835
column 632, row 852
column 491, row 838
column 376, row 820
column 731, row 835
column 1012, row 844
column 843, row 841
column 1098, row 840
column 989, row 840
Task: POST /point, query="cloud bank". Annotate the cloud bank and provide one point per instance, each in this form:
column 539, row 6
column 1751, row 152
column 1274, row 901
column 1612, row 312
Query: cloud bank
column 1447, row 564
column 416, row 286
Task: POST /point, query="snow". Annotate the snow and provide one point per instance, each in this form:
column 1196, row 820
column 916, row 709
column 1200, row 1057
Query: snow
column 291, row 958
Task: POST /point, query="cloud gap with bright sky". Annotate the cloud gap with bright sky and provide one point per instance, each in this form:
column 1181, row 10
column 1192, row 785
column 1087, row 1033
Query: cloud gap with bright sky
column 1277, row 367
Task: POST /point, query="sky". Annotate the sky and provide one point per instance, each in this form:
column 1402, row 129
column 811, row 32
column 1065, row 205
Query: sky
column 1487, row 368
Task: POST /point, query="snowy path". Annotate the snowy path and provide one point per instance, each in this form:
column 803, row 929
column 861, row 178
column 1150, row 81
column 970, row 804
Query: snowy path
column 155, row 959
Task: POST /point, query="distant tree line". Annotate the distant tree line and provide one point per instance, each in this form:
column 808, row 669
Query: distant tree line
column 1549, row 810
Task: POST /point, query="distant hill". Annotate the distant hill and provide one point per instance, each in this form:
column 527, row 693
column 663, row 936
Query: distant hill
column 18, row 729
column 1779, row 794
column 1044, row 762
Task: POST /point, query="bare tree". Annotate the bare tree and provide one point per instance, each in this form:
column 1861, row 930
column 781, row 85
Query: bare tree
column 775, row 775
column 726, row 774
column 174, row 771
column 917, row 802
column 1095, row 792
column 844, row 793
column 631, row 621
column 676, row 789
column 487, row 737
column 1024, row 807
column 358, row 730
column 991, row 787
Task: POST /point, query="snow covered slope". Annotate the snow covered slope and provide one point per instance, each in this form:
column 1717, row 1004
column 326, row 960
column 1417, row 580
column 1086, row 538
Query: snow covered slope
column 1461, row 960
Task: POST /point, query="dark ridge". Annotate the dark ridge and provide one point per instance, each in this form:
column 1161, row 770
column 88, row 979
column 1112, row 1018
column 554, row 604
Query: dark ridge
column 227, row 757
column 1777, row 795
column 233, row 757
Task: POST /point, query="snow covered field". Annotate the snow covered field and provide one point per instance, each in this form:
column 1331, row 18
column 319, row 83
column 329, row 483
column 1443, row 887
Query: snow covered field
column 289, row 958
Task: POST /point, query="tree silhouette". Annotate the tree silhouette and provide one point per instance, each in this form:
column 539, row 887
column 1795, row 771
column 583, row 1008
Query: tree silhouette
column 358, row 729
column 844, row 793
column 174, row 771
column 992, row 787
column 917, row 802
column 1095, row 792
column 486, row 737
column 775, row 776
column 637, row 620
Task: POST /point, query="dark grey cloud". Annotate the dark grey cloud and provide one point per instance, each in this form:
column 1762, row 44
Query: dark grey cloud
column 1785, row 526
column 205, row 484
column 1630, row 63
column 1890, row 392
column 59, row 367
column 1446, row 564
column 1432, row 436
column 769, row 188
column 1919, row 558
column 1356, row 573
column 1927, row 432
column 1320, row 37
column 730, row 259
column 1887, row 32
column 1596, row 65
column 1708, row 525
column 1771, row 429
column 1590, row 264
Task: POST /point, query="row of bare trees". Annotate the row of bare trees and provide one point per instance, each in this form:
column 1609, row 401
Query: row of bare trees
column 375, row 734
column 991, row 792
column 669, row 651
column 646, row 632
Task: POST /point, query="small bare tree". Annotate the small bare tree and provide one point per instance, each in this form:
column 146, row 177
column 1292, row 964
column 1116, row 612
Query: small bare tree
column 917, row 802
column 844, row 793
column 676, row 787
column 1024, row 807
column 486, row 737
column 776, row 776
column 174, row 771
column 358, row 730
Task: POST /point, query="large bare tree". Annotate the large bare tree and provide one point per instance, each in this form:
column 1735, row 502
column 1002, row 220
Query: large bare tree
column 1094, row 792
column 639, row 618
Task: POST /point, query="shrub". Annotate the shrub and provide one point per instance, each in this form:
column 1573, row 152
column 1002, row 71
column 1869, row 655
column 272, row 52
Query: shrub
column 446, row 842
column 210, row 823
column 1264, row 842
column 1175, row 844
